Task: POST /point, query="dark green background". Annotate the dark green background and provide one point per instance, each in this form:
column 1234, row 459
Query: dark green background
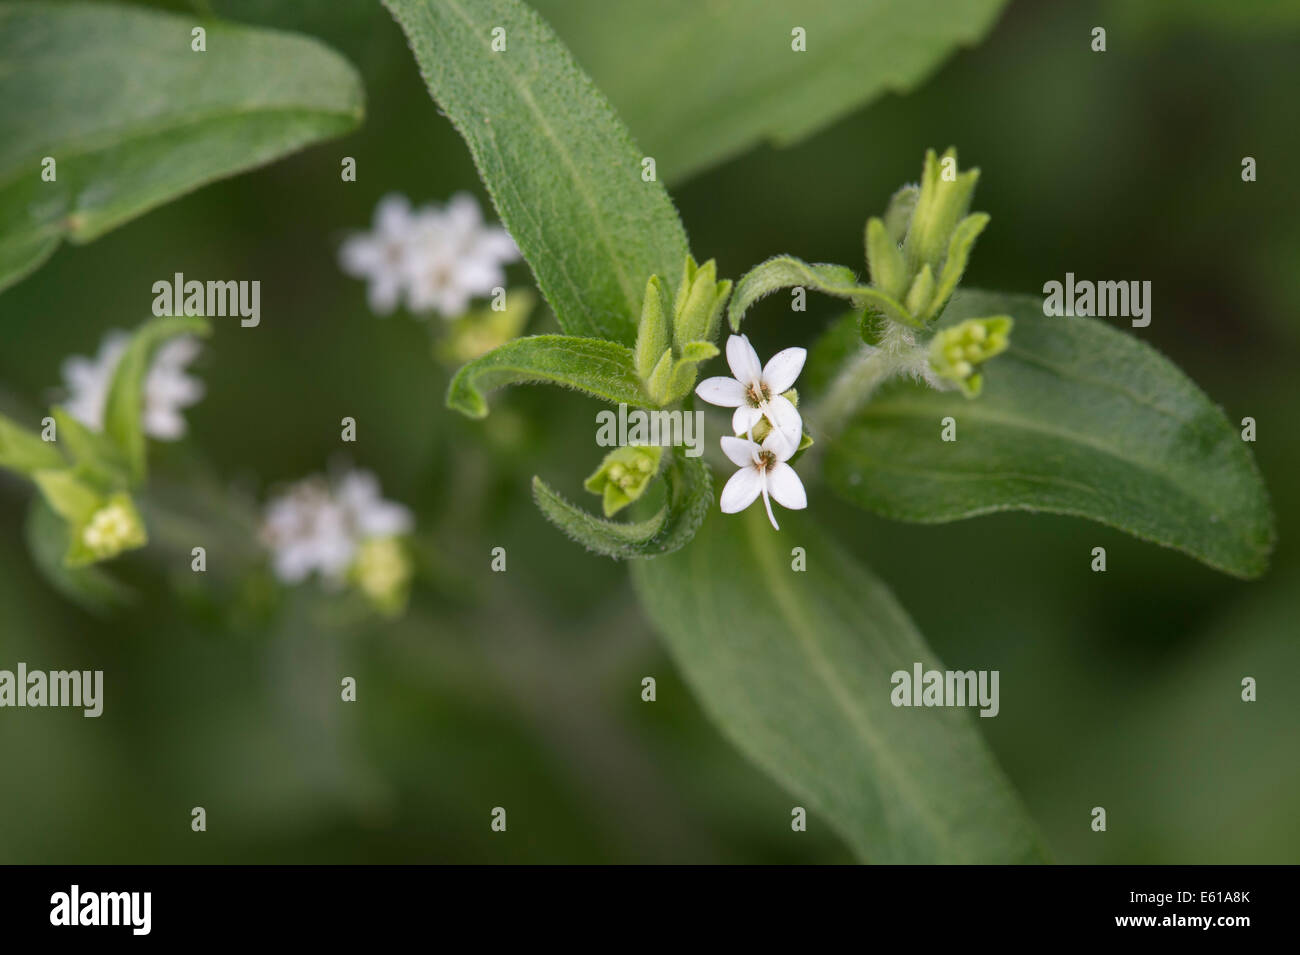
column 523, row 689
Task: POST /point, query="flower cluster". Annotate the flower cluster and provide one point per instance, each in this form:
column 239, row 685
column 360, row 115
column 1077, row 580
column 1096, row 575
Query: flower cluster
column 431, row 259
column 764, row 400
column 344, row 531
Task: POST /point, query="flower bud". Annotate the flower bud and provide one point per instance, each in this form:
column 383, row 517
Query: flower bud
column 624, row 475
column 957, row 352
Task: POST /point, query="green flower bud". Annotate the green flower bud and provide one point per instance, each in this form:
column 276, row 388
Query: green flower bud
column 956, row 353
column 941, row 204
column 624, row 475
column 100, row 525
column 697, row 313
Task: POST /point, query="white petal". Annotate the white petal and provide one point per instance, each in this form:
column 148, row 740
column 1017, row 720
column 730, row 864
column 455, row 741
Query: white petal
column 744, row 419
column 740, row 451
column 723, row 392
column 393, row 215
column 786, row 487
column 743, row 360
column 787, row 427
column 779, row 373
column 740, row 491
column 383, row 293
column 767, row 503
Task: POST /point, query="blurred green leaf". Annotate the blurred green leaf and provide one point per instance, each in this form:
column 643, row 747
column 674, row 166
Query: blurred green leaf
column 700, row 82
column 1076, row 418
column 795, row 668
column 133, row 117
column 561, row 167
column 690, row 492
column 124, row 407
column 24, row 451
column 93, row 451
column 599, row 368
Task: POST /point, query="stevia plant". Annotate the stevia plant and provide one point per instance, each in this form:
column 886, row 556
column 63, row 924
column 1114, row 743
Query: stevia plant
column 794, row 663
column 926, row 401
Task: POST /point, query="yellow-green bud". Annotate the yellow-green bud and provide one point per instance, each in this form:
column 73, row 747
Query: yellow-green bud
column 382, row 572
column 623, row 476
column 956, row 353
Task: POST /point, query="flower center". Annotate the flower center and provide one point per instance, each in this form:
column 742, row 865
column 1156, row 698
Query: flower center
column 758, row 395
column 766, row 460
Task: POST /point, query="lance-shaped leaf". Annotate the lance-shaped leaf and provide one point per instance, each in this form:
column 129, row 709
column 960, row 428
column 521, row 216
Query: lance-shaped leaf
column 688, row 497
column 124, row 407
column 24, row 451
column 130, row 116
column 599, row 368
column 700, row 81
column 557, row 161
column 785, row 271
column 1075, row 418
column 796, row 668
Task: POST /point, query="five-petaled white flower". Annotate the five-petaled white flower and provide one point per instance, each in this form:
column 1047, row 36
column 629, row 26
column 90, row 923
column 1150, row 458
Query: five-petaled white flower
column 167, row 389
column 437, row 258
column 763, row 470
column 756, row 391
column 314, row 526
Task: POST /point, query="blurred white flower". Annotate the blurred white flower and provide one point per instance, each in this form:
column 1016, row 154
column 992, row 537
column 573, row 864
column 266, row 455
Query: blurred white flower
column 438, row 258
column 379, row 256
column 167, row 388
column 317, row 527
column 454, row 257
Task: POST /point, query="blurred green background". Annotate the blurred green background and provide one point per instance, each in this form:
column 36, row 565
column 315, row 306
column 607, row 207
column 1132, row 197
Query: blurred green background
column 522, row 689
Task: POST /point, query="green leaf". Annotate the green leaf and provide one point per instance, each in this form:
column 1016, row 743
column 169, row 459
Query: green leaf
column 599, row 368
column 699, row 82
column 134, row 118
column 1075, row 418
column 785, row 271
column 89, row 587
column 24, row 451
column 68, row 495
column 91, row 450
column 559, row 164
column 124, row 407
column 795, row 668
column 689, row 495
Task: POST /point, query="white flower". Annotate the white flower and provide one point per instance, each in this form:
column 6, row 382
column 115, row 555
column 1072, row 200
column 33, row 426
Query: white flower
column 763, row 470
column 453, row 257
column 167, row 389
column 756, row 391
column 380, row 256
column 366, row 512
column 315, row 527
